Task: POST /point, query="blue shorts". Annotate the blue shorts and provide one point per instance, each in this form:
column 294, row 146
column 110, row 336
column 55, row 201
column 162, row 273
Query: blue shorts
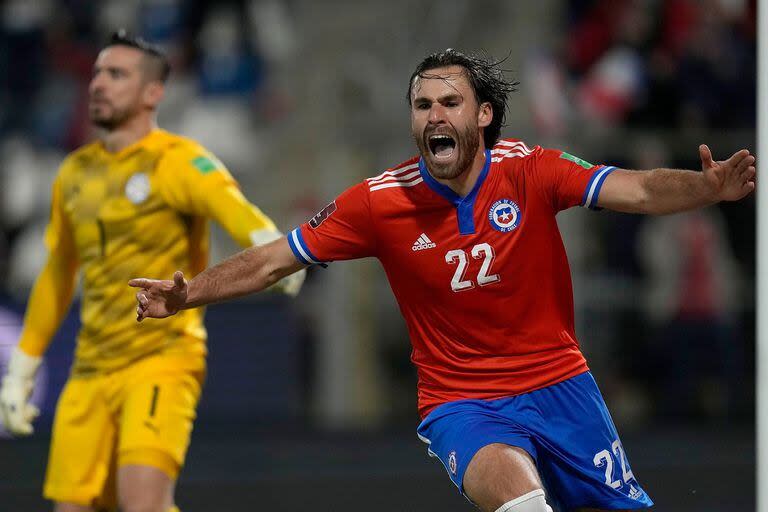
column 566, row 429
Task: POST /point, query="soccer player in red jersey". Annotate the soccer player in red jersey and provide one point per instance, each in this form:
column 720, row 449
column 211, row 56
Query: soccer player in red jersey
column 506, row 398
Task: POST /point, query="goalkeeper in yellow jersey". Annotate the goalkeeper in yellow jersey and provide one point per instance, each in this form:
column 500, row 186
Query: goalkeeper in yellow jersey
column 135, row 202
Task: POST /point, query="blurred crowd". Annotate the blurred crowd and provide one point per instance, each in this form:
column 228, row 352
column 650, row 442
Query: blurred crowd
column 627, row 82
column 674, row 67
column 651, row 64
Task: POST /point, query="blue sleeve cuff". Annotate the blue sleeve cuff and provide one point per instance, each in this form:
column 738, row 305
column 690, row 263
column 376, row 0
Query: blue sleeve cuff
column 592, row 191
column 300, row 249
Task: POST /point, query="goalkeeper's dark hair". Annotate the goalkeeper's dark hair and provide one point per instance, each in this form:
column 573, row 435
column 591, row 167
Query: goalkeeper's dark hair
column 156, row 62
column 486, row 78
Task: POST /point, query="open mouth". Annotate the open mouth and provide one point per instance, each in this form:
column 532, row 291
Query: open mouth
column 441, row 145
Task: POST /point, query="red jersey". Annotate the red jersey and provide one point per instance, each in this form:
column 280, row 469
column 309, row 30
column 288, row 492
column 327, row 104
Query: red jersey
column 483, row 280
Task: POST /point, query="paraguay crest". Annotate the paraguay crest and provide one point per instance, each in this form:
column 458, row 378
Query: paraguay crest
column 504, row 215
column 137, row 188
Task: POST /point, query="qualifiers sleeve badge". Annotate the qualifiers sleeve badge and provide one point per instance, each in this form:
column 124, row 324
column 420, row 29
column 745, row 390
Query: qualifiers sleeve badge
column 326, row 212
column 504, row 215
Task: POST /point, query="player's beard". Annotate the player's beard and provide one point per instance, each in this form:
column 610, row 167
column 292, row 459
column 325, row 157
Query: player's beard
column 107, row 117
column 467, row 143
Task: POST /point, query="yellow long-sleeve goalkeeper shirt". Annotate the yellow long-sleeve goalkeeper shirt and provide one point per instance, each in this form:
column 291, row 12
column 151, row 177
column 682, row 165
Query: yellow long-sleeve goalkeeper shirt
column 140, row 212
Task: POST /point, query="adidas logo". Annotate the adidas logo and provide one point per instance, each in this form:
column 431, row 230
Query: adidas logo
column 423, row 242
column 634, row 493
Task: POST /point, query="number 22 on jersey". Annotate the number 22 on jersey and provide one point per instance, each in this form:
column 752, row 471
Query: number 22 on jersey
column 459, row 258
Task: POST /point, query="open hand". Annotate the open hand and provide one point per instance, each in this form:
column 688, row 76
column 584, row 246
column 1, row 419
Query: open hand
column 160, row 298
column 730, row 179
column 16, row 411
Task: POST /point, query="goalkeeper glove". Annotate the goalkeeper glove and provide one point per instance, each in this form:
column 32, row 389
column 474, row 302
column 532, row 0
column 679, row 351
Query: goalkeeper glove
column 16, row 413
column 289, row 285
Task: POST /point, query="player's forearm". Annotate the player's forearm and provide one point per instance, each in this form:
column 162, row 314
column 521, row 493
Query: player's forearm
column 48, row 304
column 674, row 190
column 244, row 273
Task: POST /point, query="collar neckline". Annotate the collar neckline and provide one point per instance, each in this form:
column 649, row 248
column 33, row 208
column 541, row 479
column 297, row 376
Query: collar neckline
column 465, row 206
column 145, row 141
column 446, row 191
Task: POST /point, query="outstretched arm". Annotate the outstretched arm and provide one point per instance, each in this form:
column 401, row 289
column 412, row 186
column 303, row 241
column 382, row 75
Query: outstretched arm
column 248, row 226
column 246, row 272
column 661, row 191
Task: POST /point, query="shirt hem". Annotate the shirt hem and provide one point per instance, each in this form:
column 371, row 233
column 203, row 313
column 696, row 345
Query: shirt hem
column 426, row 411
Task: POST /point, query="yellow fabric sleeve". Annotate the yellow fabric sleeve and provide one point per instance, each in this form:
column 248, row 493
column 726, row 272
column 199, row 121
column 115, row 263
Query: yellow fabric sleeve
column 196, row 183
column 55, row 285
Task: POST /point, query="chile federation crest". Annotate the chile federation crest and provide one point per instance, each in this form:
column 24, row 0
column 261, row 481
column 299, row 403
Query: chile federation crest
column 452, row 461
column 504, row 215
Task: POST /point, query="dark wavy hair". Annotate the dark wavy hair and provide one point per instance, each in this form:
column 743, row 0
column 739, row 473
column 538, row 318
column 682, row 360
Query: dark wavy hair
column 157, row 65
column 486, row 78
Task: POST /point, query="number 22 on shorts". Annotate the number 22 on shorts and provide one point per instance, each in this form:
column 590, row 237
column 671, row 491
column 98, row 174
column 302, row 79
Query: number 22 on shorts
column 604, row 458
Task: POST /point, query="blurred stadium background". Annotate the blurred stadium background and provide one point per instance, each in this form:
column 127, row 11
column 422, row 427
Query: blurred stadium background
column 311, row 403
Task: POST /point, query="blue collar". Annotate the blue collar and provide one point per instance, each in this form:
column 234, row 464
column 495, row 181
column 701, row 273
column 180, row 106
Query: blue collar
column 464, row 205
